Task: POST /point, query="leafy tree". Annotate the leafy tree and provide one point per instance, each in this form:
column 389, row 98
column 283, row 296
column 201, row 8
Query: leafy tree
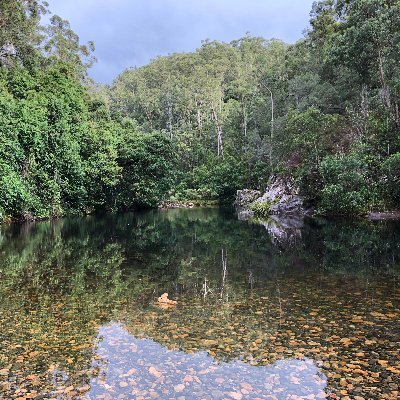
column 62, row 43
column 347, row 187
column 324, row 111
column 147, row 163
column 390, row 180
column 20, row 32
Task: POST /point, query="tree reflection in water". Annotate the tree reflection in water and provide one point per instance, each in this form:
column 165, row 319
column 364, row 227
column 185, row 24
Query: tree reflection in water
column 248, row 307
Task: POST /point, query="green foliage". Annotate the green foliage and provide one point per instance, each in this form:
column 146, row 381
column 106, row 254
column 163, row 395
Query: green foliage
column 220, row 179
column 307, row 138
column 39, row 134
column 61, row 150
column 390, row 181
column 347, row 189
column 261, row 210
column 61, row 153
column 147, row 163
column 324, row 111
column 14, row 195
column 62, row 44
column 216, row 108
column 20, row 31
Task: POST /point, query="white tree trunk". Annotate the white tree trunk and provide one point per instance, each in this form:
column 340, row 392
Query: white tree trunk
column 218, row 128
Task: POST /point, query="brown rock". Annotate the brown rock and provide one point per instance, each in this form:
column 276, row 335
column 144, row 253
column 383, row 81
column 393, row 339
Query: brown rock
column 179, row 388
column 153, row 371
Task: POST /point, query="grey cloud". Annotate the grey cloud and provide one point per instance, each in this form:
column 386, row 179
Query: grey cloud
column 130, row 33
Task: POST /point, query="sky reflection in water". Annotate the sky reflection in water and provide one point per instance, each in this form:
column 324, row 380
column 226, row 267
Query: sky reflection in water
column 131, row 367
column 304, row 315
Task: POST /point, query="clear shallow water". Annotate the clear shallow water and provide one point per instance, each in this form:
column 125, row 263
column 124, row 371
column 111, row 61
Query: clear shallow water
column 311, row 313
column 195, row 375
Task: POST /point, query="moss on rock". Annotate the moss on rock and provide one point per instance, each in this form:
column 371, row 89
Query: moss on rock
column 261, row 209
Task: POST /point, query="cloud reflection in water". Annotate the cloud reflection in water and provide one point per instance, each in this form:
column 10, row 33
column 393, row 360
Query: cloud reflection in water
column 133, row 368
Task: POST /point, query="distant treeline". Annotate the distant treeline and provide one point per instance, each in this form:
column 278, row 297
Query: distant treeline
column 324, row 111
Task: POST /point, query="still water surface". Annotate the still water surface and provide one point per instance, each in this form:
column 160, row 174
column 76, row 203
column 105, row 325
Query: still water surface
column 261, row 313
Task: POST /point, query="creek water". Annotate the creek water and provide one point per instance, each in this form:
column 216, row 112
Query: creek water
column 264, row 310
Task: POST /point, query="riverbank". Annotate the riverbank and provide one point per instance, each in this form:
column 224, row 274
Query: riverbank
column 384, row 216
column 188, row 204
column 282, row 199
column 167, row 204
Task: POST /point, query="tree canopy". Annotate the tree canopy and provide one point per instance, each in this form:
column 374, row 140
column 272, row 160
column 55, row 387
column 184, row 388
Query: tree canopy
column 200, row 125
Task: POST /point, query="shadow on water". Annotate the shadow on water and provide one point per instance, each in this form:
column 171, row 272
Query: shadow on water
column 314, row 316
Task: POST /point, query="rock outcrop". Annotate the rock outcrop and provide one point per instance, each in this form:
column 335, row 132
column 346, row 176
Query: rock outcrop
column 281, row 198
column 280, row 209
column 246, row 196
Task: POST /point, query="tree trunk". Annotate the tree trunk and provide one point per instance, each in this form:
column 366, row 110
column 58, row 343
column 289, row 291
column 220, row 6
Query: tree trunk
column 272, row 129
column 396, row 104
column 364, row 111
column 199, row 118
column 385, row 92
column 170, row 120
column 272, row 125
column 244, row 117
column 218, row 129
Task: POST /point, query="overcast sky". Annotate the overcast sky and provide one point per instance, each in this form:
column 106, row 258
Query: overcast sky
column 129, row 33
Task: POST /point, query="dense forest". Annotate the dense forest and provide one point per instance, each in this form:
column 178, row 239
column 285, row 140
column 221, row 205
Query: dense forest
column 323, row 111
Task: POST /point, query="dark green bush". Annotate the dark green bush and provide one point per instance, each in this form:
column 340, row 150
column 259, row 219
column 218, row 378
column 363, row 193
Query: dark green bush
column 346, row 187
column 390, row 179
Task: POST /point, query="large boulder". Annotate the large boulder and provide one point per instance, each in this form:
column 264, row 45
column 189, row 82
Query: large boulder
column 281, row 198
column 246, row 197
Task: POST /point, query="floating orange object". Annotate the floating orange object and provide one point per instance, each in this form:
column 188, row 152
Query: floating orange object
column 164, row 300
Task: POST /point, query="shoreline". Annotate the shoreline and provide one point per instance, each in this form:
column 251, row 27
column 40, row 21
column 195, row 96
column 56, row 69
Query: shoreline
column 374, row 216
column 168, row 205
column 165, row 205
column 384, row 216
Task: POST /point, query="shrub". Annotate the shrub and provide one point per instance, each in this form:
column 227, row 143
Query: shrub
column 346, row 188
column 147, row 163
column 262, row 210
column 390, row 180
